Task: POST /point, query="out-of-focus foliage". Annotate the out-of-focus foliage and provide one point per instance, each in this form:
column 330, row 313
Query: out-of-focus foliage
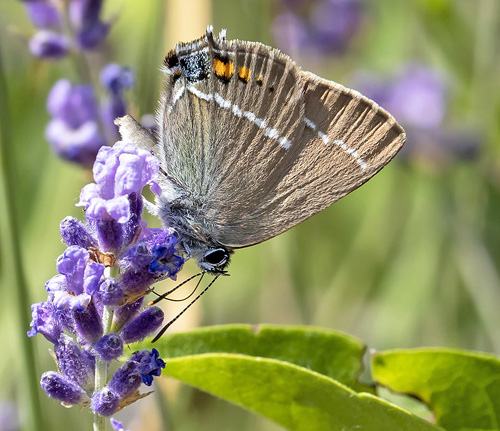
column 410, row 259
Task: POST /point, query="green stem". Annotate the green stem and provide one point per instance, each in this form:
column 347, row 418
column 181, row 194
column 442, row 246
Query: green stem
column 9, row 179
column 101, row 367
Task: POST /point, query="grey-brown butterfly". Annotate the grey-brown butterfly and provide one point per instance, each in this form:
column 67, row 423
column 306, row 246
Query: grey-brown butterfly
column 251, row 145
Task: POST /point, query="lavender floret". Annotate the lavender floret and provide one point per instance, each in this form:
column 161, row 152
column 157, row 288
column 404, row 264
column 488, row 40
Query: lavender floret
column 126, row 379
column 75, row 233
column 150, row 365
column 62, row 388
column 143, row 325
column 105, row 402
column 75, row 363
column 88, row 323
column 109, row 347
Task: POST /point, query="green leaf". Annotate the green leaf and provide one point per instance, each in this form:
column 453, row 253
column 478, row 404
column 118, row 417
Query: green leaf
column 463, row 388
column 292, row 396
column 334, row 354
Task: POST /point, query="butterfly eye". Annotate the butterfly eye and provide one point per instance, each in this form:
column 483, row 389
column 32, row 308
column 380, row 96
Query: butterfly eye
column 216, row 258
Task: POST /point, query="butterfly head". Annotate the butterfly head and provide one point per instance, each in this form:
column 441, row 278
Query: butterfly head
column 214, row 260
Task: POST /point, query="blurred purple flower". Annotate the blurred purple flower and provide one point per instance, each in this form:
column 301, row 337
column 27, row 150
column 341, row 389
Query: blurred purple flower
column 73, row 104
column 90, row 30
column 49, row 45
column 73, row 132
column 417, row 96
column 92, row 36
column 116, row 78
column 79, row 145
column 43, row 14
column 117, row 426
column 320, row 26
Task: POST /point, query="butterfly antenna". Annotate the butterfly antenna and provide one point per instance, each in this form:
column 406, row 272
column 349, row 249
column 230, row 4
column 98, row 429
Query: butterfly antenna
column 191, row 294
column 164, row 295
column 162, row 331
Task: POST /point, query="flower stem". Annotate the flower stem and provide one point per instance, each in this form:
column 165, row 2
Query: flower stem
column 30, row 402
column 101, row 367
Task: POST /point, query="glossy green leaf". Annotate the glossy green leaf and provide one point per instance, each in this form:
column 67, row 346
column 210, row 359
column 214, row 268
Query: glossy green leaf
column 292, row 396
column 334, row 354
column 462, row 388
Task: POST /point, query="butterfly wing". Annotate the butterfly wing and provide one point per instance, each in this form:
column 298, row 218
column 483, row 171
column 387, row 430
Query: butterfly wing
column 252, row 145
column 346, row 140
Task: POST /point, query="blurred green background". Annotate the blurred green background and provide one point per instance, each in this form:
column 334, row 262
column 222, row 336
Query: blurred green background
column 410, row 259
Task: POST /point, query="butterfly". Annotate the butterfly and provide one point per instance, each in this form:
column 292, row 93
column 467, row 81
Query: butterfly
column 250, row 145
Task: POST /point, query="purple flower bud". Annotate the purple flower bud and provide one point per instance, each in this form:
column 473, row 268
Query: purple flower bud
column 126, row 379
column 110, row 293
column 144, row 324
column 43, row 14
column 75, row 233
column 48, row 44
column 45, row 322
column 88, row 323
column 116, row 78
column 105, row 402
column 74, row 104
column 125, row 313
column 61, row 388
column 78, row 145
column 109, row 347
column 150, row 364
column 74, row 363
column 92, row 36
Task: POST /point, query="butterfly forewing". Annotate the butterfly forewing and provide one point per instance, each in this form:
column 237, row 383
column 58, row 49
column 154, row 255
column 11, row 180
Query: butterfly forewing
column 234, row 120
column 258, row 145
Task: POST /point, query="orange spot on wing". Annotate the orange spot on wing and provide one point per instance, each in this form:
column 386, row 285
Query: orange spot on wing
column 223, row 69
column 244, row 73
column 260, row 80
